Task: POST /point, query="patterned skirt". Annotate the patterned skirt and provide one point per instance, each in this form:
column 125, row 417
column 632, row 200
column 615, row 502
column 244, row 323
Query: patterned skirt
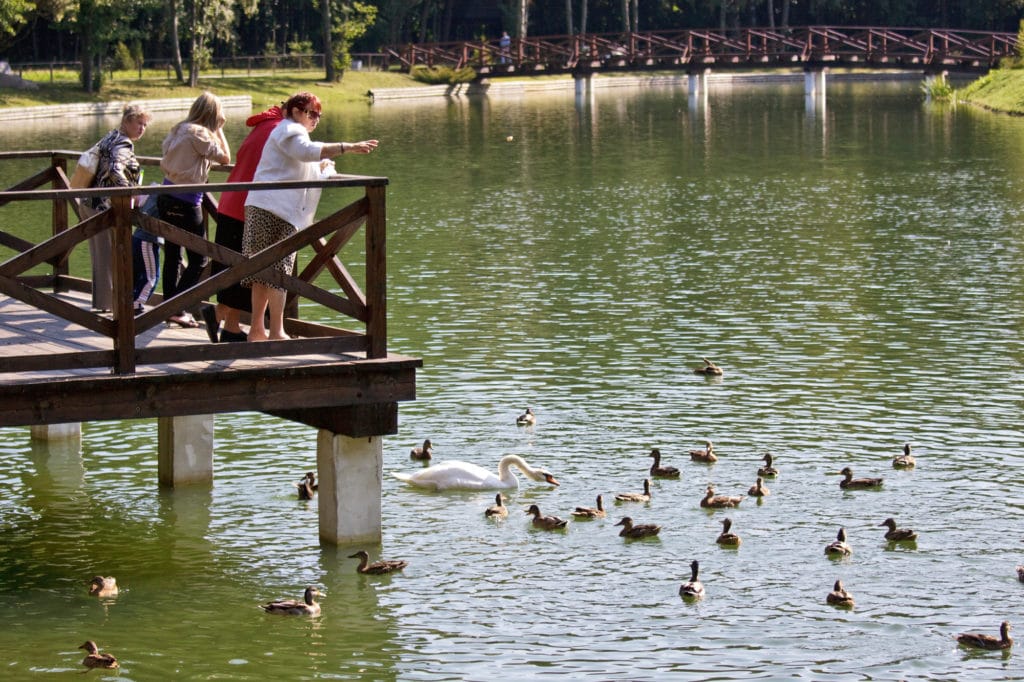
column 264, row 229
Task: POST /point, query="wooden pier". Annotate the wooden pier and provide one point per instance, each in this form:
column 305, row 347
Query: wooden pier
column 63, row 363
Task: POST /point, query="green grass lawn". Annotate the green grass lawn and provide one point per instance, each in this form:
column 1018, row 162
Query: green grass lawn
column 265, row 89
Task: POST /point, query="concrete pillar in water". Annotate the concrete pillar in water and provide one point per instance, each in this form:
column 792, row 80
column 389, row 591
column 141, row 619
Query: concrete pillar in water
column 185, row 449
column 56, row 431
column 582, row 84
column 697, row 82
column 349, row 487
column 814, row 82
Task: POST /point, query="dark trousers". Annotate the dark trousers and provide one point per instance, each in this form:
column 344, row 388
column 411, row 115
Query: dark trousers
column 189, row 218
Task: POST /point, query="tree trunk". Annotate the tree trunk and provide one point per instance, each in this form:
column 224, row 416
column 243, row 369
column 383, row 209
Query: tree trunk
column 636, row 16
column 325, row 17
column 424, row 17
column 583, row 17
column 568, row 17
column 172, row 18
column 771, row 15
column 785, row 14
column 524, row 17
column 193, row 66
column 625, row 16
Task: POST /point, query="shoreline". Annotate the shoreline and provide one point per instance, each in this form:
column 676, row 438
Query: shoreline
column 156, row 107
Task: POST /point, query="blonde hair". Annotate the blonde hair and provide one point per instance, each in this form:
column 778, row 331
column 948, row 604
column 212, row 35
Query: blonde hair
column 134, row 112
column 206, row 111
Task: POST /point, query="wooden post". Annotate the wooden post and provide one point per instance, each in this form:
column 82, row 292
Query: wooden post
column 121, row 262
column 376, row 272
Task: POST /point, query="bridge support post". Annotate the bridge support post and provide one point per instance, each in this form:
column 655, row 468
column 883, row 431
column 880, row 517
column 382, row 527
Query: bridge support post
column 349, row 487
column 56, row 431
column 582, row 84
column 185, row 450
column 814, row 82
column 697, row 82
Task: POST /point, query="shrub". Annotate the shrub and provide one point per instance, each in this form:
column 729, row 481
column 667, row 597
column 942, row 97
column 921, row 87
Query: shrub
column 442, row 75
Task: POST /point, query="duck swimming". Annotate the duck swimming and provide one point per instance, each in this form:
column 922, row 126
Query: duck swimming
column 707, row 455
column 591, row 512
column 838, row 547
column 713, row 501
column 527, row 418
column 904, row 461
column 981, row 641
column 895, row 534
column 662, row 471
column 94, row 659
column 545, row 522
column 1020, row 573
column 693, row 589
column 645, row 496
column 292, row 607
column 638, row 530
column 103, row 587
column 709, row 369
column 497, row 510
column 851, row 483
column 839, row 596
column 759, row 489
column 767, row 471
column 423, row 453
column 457, row 475
column 727, row 538
column 381, row 567
column 307, row 486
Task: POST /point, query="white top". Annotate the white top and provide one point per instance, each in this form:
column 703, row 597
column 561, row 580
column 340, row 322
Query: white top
column 289, row 155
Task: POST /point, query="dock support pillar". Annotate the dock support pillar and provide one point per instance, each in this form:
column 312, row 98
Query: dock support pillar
column 697, row 83
column 814, row 82
column 185, row 449
column 56, row 431
column 349, row 493
column 582, row 85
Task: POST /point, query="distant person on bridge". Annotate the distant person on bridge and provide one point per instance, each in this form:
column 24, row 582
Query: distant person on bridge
column 504, row 43
column 272, row 215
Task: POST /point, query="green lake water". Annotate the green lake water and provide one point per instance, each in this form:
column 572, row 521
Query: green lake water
column 856, row 268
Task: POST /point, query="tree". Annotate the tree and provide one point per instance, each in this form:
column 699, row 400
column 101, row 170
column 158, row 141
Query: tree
column 13, row 15
column 207, row 20
column 172, row 20
column 349, row 24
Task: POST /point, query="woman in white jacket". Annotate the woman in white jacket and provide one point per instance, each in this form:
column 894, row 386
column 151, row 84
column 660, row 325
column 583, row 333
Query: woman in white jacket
column 273, row 215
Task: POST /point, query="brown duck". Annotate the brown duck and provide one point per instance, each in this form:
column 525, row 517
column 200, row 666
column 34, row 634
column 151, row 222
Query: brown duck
column 94, row 659
column 838, row 547
column 709, row 369
column 727, row 538
column 545, row 522
column 381, row 567
column 712, row 501
column 659, row 471
column 839, row 596
column 707, row 455
column 982, row 641
column 851, row 483
column 645, row 496
column 597, row 512
column 307, row 486
column 423, row 453
column 637, row 530
column 498, row 510
column 307, row 606
column 895, row 534
column 904, row 461
column 101, row 586
column 767, row 471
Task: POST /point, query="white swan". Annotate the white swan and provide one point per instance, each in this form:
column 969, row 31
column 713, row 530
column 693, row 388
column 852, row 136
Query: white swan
column 457, row 475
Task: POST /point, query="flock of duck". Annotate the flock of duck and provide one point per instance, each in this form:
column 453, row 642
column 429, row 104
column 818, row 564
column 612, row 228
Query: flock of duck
column 459, row 475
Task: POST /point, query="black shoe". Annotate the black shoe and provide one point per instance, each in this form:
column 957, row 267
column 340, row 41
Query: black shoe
column 226, row 336
column 209, row 314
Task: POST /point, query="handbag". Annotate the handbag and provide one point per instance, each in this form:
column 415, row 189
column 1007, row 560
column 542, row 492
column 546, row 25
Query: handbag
column 85, row 170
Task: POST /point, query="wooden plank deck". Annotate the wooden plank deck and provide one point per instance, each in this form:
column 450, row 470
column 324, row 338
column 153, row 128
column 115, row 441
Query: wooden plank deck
column 346, row 393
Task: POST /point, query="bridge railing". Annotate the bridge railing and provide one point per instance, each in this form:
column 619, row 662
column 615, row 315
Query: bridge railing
column 365, row 304
column 868, row 47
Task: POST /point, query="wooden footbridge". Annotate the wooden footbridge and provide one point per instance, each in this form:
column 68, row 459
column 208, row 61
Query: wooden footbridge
column 812, row 47
column 61, row 362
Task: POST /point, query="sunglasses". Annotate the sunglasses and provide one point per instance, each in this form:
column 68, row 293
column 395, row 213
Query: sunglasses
column 315, row 115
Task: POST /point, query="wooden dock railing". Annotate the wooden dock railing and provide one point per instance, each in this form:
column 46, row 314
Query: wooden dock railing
column 365, row 305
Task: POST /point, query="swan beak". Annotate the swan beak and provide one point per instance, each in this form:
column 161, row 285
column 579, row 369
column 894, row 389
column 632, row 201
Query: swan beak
column 551, row 479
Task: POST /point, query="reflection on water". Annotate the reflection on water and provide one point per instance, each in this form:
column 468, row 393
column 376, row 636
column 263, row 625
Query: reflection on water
column 856, row 269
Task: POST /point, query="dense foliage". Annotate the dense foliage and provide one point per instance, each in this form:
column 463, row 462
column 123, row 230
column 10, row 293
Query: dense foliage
column 171, row 31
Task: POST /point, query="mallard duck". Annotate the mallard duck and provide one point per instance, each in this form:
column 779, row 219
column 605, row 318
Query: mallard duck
column 851, row 483
column 981, row 641
column 103, row 587
column 497, row 510
column 706, row 455
column 719, row 501
column 545, row 522
column 645, row 496
column 307, row 486
column 423, row 453
column 527, row 418
column 727, row 538
column 94, row 659
column 839, row 596
column 591, row 512
column 662, row 471
column 377, row 567
column 904, row 461
column 838, row 547
column 293, row 607
column 895, row 534
column 693, row 589
column 767, row 471
column 1020, row 573
column 639, row 530
column 709, row 368
column 759, row 489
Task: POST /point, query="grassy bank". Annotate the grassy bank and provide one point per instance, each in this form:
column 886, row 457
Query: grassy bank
column 1000, row 90
column 265, row 89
